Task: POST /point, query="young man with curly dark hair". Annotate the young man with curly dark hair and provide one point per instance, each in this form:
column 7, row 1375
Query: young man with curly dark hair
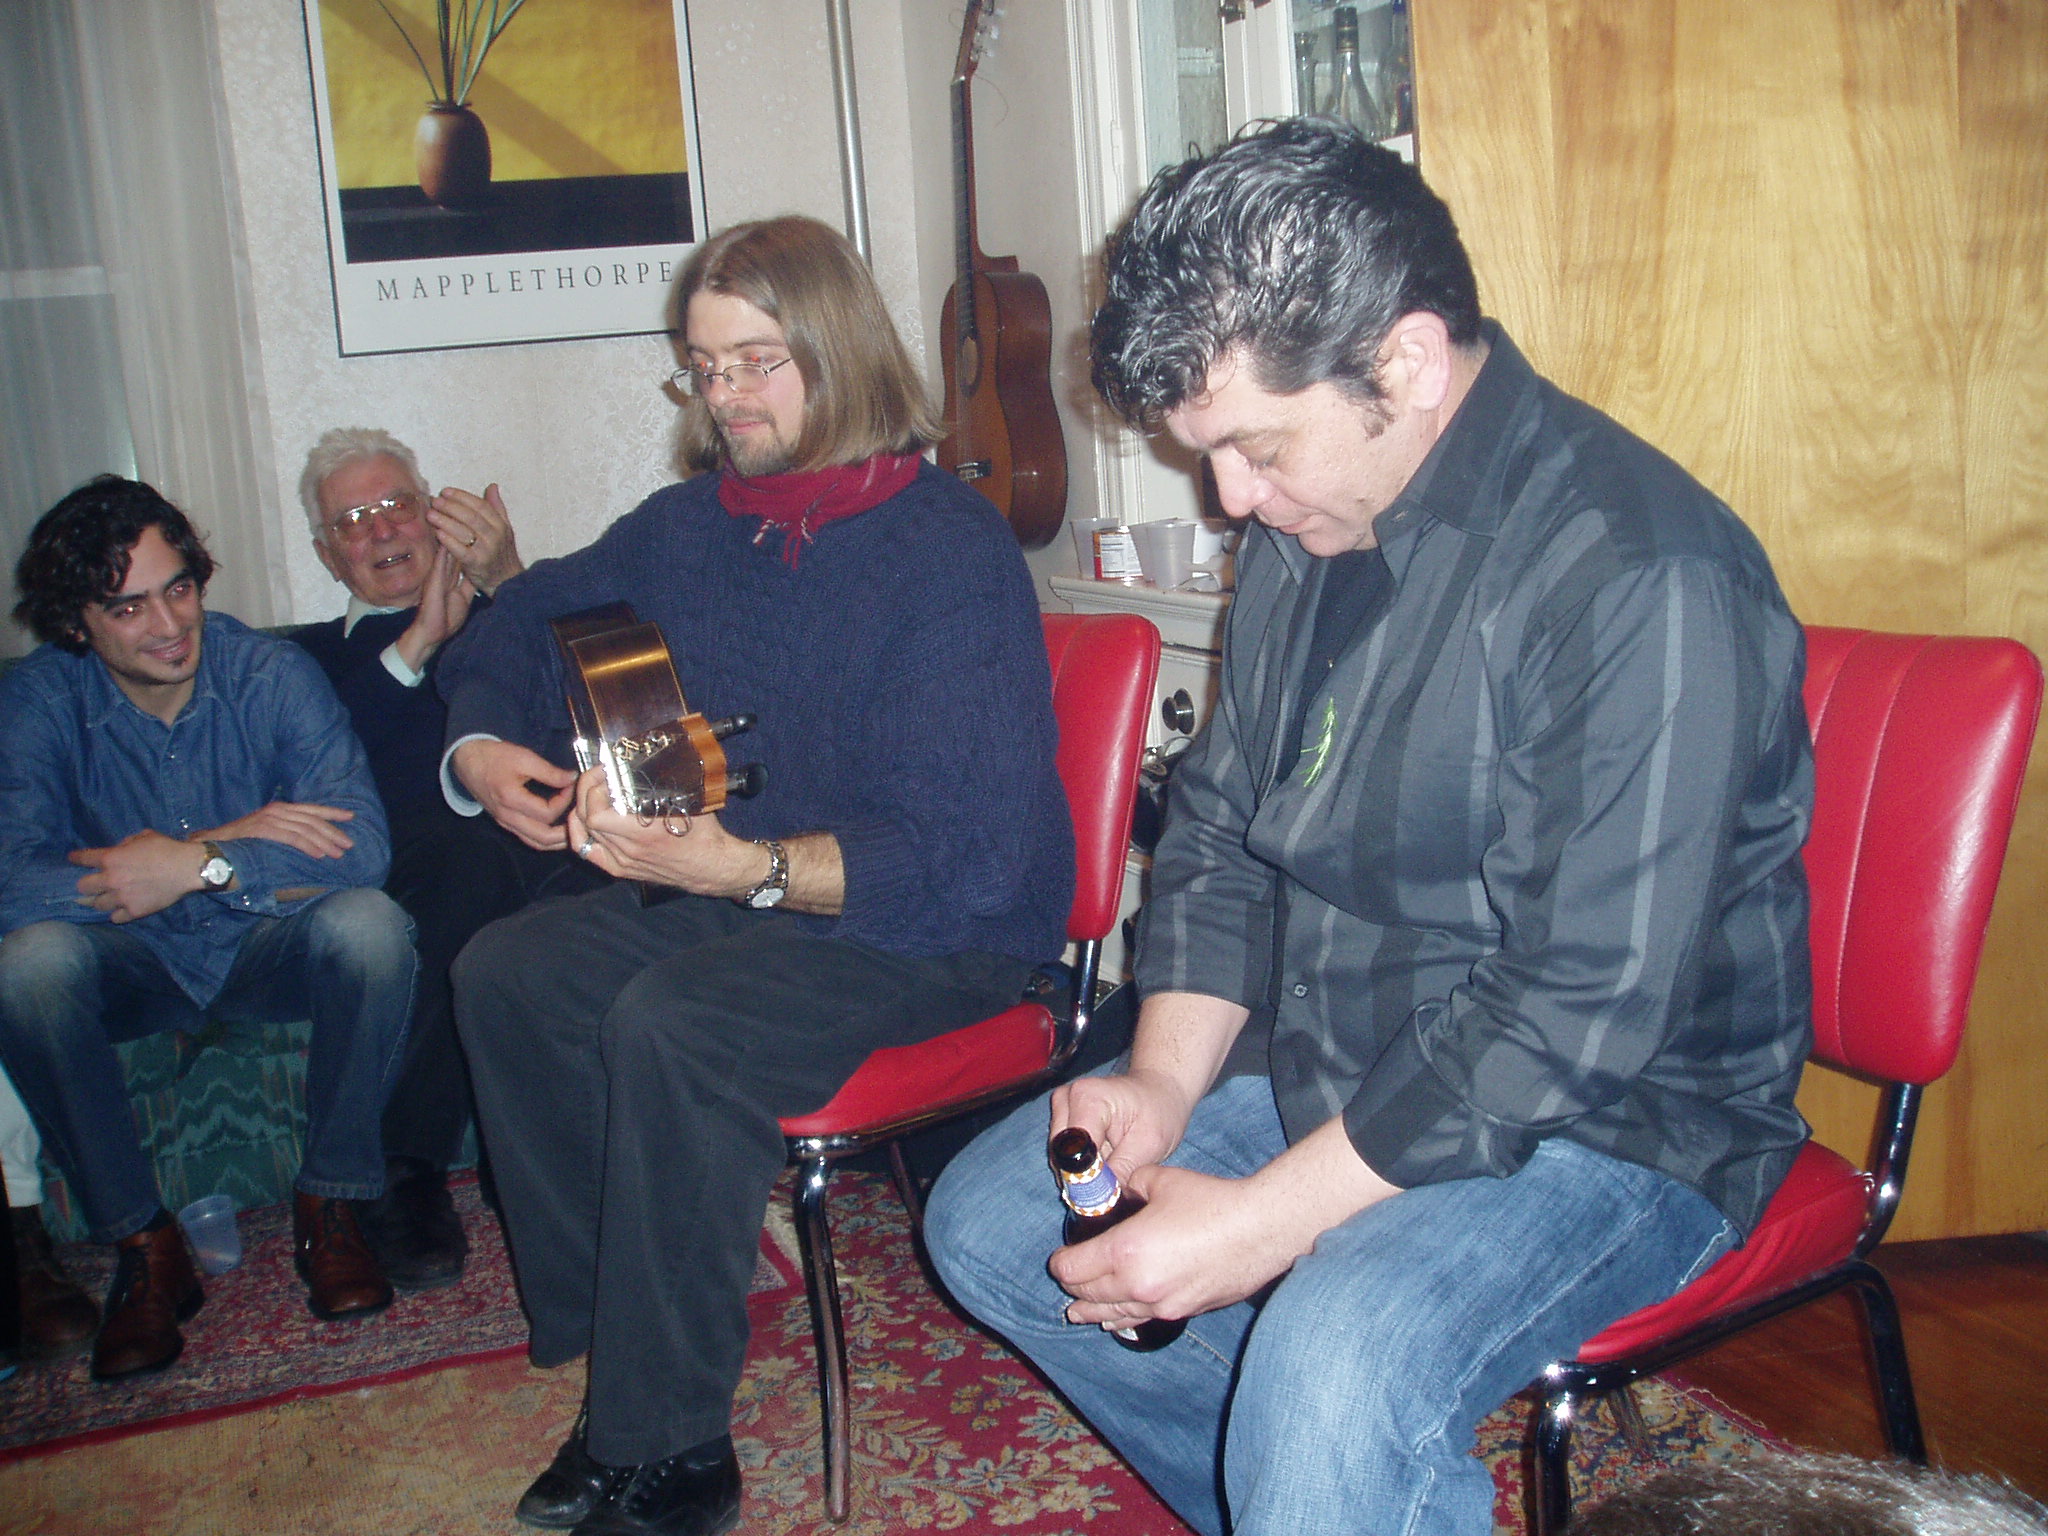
column 187, row 823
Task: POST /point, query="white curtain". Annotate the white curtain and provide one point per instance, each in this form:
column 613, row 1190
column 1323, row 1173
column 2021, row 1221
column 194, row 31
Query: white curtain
column 126, row 342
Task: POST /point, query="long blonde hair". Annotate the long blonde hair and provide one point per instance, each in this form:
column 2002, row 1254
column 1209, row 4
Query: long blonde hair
column 862, row 394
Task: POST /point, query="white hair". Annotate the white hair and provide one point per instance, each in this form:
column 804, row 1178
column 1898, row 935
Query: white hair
column 340, row 447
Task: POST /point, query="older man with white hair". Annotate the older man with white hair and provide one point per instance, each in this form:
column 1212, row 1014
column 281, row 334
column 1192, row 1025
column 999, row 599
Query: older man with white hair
column 415, row 565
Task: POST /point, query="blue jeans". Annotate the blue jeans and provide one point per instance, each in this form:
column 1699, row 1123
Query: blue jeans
column 69, row 992
column 1347, row 1400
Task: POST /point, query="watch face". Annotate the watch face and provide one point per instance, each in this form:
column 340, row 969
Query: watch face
column 215, row 873
column 771, row 897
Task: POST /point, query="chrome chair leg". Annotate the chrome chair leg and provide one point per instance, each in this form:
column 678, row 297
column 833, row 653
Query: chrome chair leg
column 906, row 1186
column 1894, row 1378
column 1550, row 1501
column 1629, row 1415
column 821, row 1278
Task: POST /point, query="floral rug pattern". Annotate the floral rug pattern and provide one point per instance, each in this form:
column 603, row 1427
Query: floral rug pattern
column 951, row 1432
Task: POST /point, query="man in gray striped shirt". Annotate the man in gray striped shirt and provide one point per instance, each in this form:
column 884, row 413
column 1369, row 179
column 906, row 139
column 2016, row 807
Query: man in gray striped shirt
column 1475, row 965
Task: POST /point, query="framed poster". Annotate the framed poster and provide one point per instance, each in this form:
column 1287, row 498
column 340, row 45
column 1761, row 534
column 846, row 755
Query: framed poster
column 500, row 172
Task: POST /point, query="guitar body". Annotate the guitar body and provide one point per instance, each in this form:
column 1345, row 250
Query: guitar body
column 659, row 758
column 995, row 337
column 1005, row 431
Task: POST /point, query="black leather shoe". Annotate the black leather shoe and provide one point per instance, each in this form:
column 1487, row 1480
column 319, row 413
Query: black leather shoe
column 572, row 1486
column 693, row 1493
column 412, row 1227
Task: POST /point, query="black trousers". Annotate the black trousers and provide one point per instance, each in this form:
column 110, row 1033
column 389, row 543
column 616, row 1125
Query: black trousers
column 452, row 875
column 631, row 1064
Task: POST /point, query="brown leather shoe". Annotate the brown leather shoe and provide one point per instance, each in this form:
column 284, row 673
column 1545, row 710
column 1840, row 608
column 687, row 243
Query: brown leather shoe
column 155, row 1289
column 341, row 1274
column 57, row 1317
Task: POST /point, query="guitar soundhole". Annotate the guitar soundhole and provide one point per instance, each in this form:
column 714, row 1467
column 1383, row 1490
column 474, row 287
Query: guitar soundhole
column 970, row 366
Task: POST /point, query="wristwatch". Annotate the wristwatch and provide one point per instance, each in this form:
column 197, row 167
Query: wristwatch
column 775, row 884
column 216, row 874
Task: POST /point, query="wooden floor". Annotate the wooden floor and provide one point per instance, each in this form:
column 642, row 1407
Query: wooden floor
column 1976, row 1319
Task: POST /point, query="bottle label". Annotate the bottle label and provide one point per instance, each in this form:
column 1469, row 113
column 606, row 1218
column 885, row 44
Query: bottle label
column 1090, row 1193
column 1116, row 555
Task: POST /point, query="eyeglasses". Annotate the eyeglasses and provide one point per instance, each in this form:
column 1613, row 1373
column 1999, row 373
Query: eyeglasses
column 396, row 510
column 740, row 378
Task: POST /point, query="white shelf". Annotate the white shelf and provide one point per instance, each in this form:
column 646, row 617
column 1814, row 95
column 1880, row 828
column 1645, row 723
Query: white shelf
column 1192, row 619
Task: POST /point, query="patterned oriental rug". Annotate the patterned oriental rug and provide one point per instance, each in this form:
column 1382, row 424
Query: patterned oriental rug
column 427, row 1420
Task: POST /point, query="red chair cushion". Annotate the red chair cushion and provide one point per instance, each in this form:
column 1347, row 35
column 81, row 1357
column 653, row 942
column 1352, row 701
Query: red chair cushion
column 904, row 1080
column 1811, row 1224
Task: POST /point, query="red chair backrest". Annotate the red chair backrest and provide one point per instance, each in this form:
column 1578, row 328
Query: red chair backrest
column 1919, row 745
column 1104, row 668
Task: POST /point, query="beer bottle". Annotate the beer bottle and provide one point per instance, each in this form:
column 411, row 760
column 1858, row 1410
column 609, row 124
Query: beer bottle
column 1095, row 1203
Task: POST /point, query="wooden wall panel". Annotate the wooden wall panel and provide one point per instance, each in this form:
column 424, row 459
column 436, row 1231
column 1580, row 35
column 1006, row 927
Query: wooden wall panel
column 1802, row 246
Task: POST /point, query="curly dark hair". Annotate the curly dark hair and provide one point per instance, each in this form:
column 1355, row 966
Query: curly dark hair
column 1299, row 241
column 78, row 553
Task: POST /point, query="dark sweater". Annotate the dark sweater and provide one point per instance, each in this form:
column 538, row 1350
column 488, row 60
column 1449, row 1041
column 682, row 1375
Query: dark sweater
column 401, row 728
column 898, row 670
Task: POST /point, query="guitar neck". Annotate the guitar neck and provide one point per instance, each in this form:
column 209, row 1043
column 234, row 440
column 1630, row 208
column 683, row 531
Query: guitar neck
column 966, row 238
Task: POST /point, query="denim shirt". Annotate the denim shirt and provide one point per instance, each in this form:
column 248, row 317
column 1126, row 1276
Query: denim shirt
column 1536, row 870
column 84, row 767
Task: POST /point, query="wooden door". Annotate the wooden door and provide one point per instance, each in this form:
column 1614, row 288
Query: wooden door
column 1802, row 246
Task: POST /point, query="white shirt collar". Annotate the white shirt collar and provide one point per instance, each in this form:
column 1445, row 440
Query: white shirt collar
column 358, row 610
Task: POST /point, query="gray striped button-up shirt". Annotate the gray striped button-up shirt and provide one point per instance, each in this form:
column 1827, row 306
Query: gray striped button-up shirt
column 1536, row 869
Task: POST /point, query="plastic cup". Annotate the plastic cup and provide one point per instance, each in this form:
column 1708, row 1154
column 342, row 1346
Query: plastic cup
column 1166, row 551
column 210, row 1228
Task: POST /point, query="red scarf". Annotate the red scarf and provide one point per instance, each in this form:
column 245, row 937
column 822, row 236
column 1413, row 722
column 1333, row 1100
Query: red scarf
column 802, row 503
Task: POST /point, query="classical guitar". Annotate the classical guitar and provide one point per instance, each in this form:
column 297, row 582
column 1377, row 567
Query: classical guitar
column 1002, row 430
column 659, row 758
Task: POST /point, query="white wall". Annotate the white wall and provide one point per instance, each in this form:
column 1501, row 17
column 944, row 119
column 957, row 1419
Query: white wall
column 575, row 432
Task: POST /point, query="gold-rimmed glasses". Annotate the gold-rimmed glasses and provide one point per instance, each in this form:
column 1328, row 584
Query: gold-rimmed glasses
column 397, row 509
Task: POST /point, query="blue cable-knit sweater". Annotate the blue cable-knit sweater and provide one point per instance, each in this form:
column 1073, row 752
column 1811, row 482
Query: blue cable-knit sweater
column 898, row 672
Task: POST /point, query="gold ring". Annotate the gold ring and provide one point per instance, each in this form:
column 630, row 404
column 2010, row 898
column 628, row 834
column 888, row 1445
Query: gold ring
column 472, row 541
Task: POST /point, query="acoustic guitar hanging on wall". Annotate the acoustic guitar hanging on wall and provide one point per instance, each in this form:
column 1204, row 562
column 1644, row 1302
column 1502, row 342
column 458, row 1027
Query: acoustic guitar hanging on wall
column 1002, row 430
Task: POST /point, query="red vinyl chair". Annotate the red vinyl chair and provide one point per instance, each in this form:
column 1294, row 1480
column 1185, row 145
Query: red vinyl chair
column 1919, row 744
column 1103, row 671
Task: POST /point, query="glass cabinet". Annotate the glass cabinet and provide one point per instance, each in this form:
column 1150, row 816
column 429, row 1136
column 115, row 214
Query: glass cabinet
column 1159, row 80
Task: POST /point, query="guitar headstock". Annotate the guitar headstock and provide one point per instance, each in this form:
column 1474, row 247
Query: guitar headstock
column 978, row 30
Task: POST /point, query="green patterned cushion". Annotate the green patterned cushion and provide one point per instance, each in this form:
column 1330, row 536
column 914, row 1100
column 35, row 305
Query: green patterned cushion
column 222, row 1111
